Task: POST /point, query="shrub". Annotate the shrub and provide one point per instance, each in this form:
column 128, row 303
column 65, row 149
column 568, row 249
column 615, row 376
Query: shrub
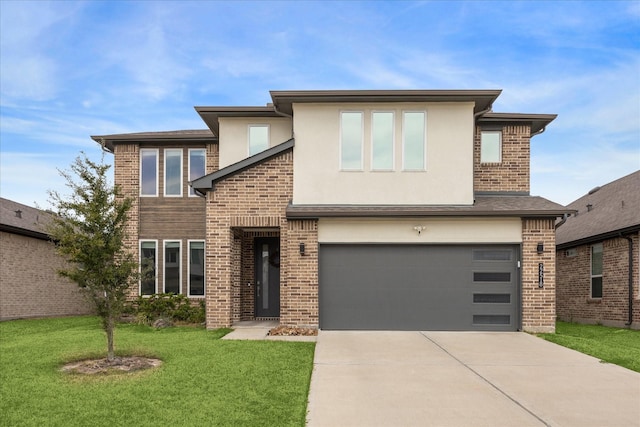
column 175, row 307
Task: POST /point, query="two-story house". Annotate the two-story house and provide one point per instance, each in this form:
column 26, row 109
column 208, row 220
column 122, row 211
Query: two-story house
column 400, row 209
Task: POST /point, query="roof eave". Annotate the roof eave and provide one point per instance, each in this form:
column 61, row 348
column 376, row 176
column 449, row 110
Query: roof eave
column 599, row 237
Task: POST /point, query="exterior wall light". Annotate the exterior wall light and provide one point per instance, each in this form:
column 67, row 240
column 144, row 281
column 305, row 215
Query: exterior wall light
column 302, row 248
column 540, row 248
column 419, row 228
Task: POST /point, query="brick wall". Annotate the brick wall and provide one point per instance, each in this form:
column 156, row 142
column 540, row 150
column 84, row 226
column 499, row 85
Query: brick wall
column 253, row 199
column 512, row 174
column 29, row 283
column 574, row 285
column 538, row 304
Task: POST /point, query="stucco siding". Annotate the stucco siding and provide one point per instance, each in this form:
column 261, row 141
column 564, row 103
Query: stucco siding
column 447, row 178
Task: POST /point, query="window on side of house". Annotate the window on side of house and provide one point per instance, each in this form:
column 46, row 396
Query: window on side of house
column 196, row 268
column 172, row 263
column 148, row 267
column 258, row 138
column 173, row 172
column 596, row 271
column 414, row 140
column 351, row 140
column 197, row 166
column 490, row 147
column 148, row 172
column 382, row 140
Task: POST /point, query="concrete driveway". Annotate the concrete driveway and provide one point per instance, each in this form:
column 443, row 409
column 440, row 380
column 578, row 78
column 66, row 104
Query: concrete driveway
column 367, row 378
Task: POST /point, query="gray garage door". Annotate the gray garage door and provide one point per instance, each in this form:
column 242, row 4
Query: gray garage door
column 416, row 287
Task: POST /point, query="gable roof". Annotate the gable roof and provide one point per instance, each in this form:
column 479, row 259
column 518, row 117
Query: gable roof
column 603, row 213
column 207, row 182
column 21, row 219
column 514, row 206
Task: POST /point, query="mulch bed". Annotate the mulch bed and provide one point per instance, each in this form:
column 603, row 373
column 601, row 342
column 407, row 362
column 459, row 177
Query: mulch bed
column 293, row 332
column 118, row 364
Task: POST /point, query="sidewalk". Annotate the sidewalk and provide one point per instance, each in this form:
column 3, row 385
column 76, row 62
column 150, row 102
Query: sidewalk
column 259, row 329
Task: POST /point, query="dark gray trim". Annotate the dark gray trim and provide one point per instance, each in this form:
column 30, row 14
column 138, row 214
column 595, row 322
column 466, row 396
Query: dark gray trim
column 211, row 115
column 501, row 193
column 537, row 121
column 599, row 237
column 207, row 182
column 284, row 99
column 183, row 137
column 23, row 232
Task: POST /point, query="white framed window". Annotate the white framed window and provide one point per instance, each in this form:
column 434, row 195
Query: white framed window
column 596, row 271
column 351, row 140
column 197, row 166
column 414, row 140
column 196, row 268
column 382, row 140
column 173, row 172
column 258, row 138
column 148, row 267
column 490, row 147
column 149, row 172
column 172, row 266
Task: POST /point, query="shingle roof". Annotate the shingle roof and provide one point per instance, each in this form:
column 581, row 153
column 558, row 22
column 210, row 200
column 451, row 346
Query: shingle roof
column 519, row 206
column 22, row 219
column 606, row 210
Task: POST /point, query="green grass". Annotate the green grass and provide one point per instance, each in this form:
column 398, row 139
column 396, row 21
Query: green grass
column 611, row 345
column 203, row 380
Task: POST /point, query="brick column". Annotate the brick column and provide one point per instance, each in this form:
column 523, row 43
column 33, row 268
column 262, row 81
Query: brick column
column 538, row 304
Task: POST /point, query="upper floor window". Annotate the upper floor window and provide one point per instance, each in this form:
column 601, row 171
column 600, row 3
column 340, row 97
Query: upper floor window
column 382, row 140
column 258, row 138
column 596, row 271
column 414, row 140
column 173, row 172
column 490, row 147
column 351, row 136
column 148, row 267
column 149, row 172
column 197, row 165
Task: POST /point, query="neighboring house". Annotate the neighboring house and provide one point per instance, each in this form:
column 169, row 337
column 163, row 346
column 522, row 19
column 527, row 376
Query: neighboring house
column 405, row 209
column 29, row 283
column 597, row 256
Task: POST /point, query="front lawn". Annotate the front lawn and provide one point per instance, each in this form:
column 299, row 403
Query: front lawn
column 612, row 345
column 203, row 380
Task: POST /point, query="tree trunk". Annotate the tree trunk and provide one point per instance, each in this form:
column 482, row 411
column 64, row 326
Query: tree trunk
column 109, row 330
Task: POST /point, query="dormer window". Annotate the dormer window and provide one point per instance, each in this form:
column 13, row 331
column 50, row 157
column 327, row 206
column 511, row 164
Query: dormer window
column 491, row 146
column 258, row 138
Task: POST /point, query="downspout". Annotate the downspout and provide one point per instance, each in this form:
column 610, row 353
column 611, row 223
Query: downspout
column 538, row 132
column 562, row 221
column 280, row 113
column 630, row 240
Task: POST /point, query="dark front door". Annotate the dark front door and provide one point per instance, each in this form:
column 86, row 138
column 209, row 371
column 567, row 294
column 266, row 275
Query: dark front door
column 267, row 268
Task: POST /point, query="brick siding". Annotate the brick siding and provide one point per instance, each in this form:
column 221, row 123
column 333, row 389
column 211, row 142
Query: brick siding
column 29, row 283
column 574, row 285
column 512, row 174
column 538, row 304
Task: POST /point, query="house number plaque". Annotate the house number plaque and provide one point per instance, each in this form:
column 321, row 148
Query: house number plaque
column 540, row 275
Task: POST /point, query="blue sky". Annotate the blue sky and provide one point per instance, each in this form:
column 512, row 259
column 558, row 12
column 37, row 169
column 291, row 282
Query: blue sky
column 69, row 70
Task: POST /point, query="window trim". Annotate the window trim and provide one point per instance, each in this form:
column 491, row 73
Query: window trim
column 191, row 192
column 499, row 132
column 164, row 264
column 361, row 166
column 164, row 190
column 591, row 275
column 156, row 151
column 258, row 125
column 393, row 141
column 424, row 141
column 140, row 242
column 204, row 260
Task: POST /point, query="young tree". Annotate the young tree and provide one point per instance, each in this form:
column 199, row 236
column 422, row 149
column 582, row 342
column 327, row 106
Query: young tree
column 89, row 228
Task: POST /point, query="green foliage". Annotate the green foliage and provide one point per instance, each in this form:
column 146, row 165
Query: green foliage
column 203, row 381
column 176, row 307
column 612, row 345
column 88, row 227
